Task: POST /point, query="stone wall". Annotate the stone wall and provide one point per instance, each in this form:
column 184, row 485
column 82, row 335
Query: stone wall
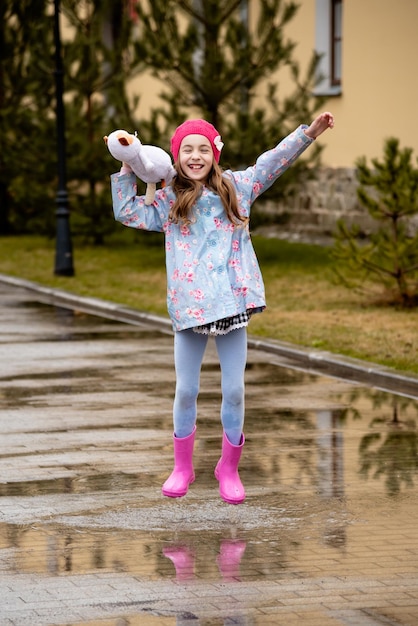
column 313, row 212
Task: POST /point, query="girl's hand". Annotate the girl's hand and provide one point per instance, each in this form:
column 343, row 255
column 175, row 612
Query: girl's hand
column 320, row 124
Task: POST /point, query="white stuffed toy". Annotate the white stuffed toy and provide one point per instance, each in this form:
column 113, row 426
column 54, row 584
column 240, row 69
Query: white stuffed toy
column 150, row 163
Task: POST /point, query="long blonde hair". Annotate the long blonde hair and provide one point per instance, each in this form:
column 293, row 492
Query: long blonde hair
column 188, row 192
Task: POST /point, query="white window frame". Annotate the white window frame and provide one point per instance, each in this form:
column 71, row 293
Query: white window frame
column 323, row 46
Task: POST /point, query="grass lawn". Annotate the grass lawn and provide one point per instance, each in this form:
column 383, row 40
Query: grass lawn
column 305, row 307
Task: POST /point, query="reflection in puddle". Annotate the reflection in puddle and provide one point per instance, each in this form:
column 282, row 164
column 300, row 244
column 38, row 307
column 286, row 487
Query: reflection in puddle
column 389, row 449
column 226, row 556
column 228, row 560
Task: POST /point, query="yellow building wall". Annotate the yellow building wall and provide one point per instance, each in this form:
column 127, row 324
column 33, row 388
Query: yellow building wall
column 380, row 93
column 379, row 87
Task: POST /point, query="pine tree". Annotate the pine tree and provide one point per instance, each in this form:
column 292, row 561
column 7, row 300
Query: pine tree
column 26, row 126
column 212, row 63
column 98, row 62
column 389, row 258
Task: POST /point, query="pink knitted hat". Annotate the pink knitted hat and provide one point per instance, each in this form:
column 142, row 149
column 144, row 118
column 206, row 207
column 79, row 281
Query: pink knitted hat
column 197, row 127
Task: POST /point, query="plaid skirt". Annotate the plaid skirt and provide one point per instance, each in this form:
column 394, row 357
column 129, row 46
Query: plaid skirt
column 225, row 325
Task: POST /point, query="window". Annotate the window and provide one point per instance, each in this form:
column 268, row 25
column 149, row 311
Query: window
column 328, row 43
column 336, row 41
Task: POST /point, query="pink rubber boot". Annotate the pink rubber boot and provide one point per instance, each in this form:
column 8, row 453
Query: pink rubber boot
column 177, row 484
column 226, row 471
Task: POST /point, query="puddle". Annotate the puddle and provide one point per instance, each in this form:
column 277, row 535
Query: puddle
column 233, row 553
column 79, row 485
column 315, row 481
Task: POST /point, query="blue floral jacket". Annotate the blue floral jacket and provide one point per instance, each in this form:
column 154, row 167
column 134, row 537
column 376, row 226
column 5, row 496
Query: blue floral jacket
column 212, row 269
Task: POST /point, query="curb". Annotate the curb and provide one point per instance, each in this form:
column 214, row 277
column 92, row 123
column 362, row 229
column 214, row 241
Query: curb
column 315, row 361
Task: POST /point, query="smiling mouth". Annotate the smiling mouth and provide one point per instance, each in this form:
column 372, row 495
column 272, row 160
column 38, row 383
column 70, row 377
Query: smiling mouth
column 195, row 166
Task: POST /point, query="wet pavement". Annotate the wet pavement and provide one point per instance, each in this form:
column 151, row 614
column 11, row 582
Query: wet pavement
column 327, row 535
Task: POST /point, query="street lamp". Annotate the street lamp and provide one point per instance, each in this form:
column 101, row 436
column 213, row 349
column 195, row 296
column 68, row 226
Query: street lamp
column 63, row 249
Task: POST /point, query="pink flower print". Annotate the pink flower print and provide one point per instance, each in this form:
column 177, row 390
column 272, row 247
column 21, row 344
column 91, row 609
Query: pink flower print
column 196, row 313
column 190, row 277
column 235, row 245
column 120, row 196
column 210, row 265
column 177, row 314
column 185, row 230
column 197, row 294
column 241, row 291
column 131, row 219
column 218, row 222
column 173, row 296
column 176, row 274
column 257, row 187
column 246, row 180
column 168, row 246
column 234, row 263
column 181, row 245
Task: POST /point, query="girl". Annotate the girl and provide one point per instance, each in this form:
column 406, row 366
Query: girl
column 214, row 283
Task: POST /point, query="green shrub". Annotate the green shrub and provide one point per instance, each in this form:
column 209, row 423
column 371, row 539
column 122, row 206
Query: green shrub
column 388, row 259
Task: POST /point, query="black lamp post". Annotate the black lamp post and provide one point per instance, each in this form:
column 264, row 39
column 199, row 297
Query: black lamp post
column 63, row 249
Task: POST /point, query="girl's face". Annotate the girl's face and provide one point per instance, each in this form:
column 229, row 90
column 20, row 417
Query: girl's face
column 196, row 157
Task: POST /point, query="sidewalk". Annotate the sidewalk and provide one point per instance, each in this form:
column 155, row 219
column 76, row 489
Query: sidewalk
column 327, row 535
